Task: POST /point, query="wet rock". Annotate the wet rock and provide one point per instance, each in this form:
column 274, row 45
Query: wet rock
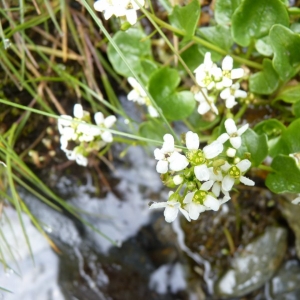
column 254, row 265
column 285, row 285
column 292, row 212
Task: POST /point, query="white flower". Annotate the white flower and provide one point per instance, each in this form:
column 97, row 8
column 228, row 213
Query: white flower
column 200, row 201
column 236, row 172
column 138, row 94
column 171, row 209
column 108, row 122
column 229, row 73
column 78, row 157
column 119, row 8
column 208, row 74
column 233, row 134
column 217, row 178
column 229, row 94
column 206, row 102
column 210, row 151
column 168, row 158
column 178, row 179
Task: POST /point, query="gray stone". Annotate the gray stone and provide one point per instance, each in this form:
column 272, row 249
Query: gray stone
column 285, row 285
column 292, row 212
column 254, row 265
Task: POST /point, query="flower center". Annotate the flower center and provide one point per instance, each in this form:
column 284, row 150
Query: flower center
column 234, row 172
column 196, row 157
column 227, row 73
column 199, row 196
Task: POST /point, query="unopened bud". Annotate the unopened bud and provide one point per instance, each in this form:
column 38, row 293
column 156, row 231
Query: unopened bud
column 178, row 179
column 175, row 197
column 237, row 160
column 188, row 173
column 125, row 26
column 191, row 185
column 231, row 152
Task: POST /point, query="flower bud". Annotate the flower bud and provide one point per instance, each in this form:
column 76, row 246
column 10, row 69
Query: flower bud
column 231, row 152
column 167, row 180
column 125, row 26
column 189, row 173
column 174, row 197
column 191, row 185
column 178, row 179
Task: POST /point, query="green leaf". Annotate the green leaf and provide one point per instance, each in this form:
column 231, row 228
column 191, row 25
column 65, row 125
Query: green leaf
column 289, row 141
column 134, row 49
column 254, row 144
column 148, row 67
column 152, row 130
column 224, row 10
column 266, row 81
column 296, row 109
column 263, row 46
column 218, row 35
column 253, row 19
column 192, row 57
column 162, row 85
column 286, row 45
column 286, row 176
column 186, row 18
column 272, row 128
column 290, row 94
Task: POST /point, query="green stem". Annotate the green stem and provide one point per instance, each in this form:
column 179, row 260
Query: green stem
column 241, row 112
column 265, row 168
column 207, row 44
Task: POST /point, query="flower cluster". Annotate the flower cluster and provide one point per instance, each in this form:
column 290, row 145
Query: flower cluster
column 204, row 176
column 78, row 131
column 139, row 96
column 213, row 80
column 119, row 8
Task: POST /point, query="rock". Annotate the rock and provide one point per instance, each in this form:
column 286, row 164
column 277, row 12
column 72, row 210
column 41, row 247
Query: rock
column 292, row 212
column 254, row 265
column 285, row 285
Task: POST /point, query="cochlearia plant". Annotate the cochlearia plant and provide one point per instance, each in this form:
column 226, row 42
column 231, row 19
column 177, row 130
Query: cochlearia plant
column 233, row 83
column 214, row 90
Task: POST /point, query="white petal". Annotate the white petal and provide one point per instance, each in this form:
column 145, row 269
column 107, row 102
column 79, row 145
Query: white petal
column 78, row 111
column 206, row 185
column 162, row 166
column 296, row 201
column 64, row 120
column 237, row 73
column 107, row 137
column 230, row 102
column 193, row 210
column 216, row 73
column 158, row 205
column 240, row 94
column 192, row 140
column 230, row 126
column 81, row 160
column 236, row 142
column 216, row 189
column 99, row 118
column 203, row 108
column 227, row 63
column 227, row 183
column 177, row 161
column 243, row 129
column 201, row 172
column 211, row 202
column 100, row 5
column 224, row 137
column 244, row 165
column 185, row 213
column 225, row 93
column 231, row 152
column 109, row 121
column 152, row 111
column 171, row 213
column 189, row 197
column 212, row 150
column 247, row 181
column 224, row 199
column 133, row 96
column 108, row 13
column 131, row 16
column 132, row 81
column 158, row 154
column 227, row 82
column 168, row 145
column 208, row 63
column 199, row 96
column 226, row 167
